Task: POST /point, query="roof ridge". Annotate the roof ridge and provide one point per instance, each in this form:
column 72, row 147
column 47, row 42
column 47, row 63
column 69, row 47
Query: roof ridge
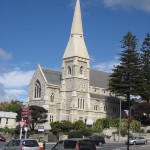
column 50, row 69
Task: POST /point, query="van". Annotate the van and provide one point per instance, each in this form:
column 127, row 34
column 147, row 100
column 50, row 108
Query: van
column 75, row 144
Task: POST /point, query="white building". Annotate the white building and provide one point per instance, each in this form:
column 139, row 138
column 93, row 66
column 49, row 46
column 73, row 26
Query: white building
column 8, row 119
column 76, row 92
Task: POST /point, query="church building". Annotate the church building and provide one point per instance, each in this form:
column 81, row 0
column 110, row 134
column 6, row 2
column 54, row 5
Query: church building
column 77, row 92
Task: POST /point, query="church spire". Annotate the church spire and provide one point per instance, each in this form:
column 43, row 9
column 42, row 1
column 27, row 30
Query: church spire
column 77, row 21
column 76, row 46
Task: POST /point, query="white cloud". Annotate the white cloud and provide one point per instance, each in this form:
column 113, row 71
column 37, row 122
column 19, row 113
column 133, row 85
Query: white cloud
column 16, row 91
column 5, row 55
column 106, row 66
column 16, row 78
column 13, row 85
column 138, row 4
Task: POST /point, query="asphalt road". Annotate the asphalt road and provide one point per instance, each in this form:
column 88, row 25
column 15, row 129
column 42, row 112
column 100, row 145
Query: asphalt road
column 107, row 146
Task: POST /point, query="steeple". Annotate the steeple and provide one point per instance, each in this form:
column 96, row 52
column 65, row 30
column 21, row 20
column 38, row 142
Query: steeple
column 77, row 21
column 76, row 46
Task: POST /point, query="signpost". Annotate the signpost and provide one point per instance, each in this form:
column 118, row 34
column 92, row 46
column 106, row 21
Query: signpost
column 25, row 129
column 21, row 123
column 25, row 114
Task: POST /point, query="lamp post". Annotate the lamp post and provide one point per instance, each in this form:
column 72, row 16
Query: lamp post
column 128, row 99
column 128, row 104
column 119, row 122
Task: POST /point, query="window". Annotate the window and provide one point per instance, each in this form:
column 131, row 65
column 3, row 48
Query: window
column 105, row 108
column 69, row 70
column 51, row 118
column 59, row 145
column 52, row 97
column 6, row 120
column 95, row 107
column 81, row 70
column 81, row 103
column 37, row 90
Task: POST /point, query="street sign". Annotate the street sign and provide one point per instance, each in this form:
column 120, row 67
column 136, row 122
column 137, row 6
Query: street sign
column 21, row 123
column 41, row 128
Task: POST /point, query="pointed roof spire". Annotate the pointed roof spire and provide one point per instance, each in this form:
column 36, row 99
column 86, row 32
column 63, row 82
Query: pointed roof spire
column 77, row 21
column 76, row 46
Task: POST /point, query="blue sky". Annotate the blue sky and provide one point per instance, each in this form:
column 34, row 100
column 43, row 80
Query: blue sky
column 36, row 32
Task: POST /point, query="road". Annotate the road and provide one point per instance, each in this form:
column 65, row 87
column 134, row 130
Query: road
column 107, row 146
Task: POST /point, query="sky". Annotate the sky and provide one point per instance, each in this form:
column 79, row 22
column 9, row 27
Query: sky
column 36, row 32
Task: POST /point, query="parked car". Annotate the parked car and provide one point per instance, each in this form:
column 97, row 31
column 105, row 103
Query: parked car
column 75, row 144
column 137, row 140
column 99, row 140
column 22, row 144
column 2, row 138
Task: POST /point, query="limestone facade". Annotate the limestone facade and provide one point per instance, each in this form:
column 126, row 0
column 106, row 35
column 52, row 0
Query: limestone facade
column 76, row 92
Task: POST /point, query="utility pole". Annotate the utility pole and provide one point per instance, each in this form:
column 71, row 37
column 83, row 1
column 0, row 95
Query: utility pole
column 119, row 123
column 128, row 99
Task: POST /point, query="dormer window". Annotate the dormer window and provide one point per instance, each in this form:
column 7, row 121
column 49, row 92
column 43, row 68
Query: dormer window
column 69, row 70
column 37, row 89
column 81, row 70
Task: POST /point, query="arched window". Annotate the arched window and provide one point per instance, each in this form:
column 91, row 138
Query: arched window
column 81, row 70
column 37, row 89
column 69, row 70
column 52, row 97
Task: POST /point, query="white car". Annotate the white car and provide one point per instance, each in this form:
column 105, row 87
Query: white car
column 137, row 140
column 22, row 144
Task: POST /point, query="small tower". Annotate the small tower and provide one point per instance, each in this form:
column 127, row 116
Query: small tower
column 75, row 73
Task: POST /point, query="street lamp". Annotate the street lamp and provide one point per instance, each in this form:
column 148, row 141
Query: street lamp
column 119, row 122
column 128, row 117
column 128, row 99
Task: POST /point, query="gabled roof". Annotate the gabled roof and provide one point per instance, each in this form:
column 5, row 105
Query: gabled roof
column 52, row 76
column 97, row 78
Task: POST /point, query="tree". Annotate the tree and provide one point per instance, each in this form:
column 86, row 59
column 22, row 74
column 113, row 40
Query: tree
column 79, row 125
column 124, row 79
column 56, row 127
column 145, row 69
column 66, row 126
column 13, row 106
column 100, row 124
column 135, row 125
column 142, row 108
column 38, row 115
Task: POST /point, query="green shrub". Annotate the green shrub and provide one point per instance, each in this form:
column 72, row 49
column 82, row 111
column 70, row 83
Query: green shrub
column 124, row 132
column 86, row 132
column 75, row 134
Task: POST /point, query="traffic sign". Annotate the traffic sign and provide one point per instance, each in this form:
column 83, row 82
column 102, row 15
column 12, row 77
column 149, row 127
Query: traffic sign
column 21, row 123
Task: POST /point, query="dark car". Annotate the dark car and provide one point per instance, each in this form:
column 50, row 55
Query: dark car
column 75, row 144
column 99, row 140
column 2, row 138
column 22, row 144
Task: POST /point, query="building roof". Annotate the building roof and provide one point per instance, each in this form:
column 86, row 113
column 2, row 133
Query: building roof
column 7, row 114
column 52, row 76
column 97, row 78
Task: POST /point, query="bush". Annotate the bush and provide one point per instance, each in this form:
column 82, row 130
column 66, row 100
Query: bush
column 124, row 132
column 148, row 131
column 86, row 132
column 75, row 134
